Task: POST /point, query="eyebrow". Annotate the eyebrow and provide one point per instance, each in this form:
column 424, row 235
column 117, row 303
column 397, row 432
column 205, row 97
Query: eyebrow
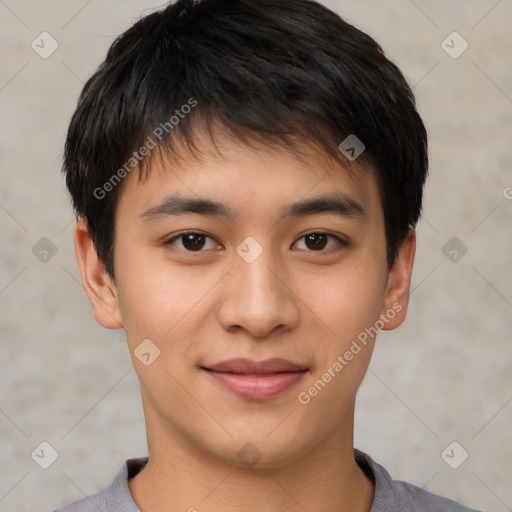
column 339, row 204
column 180, row 205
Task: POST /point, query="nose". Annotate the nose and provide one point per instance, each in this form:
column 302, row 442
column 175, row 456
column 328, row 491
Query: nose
column 258, row 297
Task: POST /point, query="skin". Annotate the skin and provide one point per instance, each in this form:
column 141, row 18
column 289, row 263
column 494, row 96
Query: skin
column 201, row 308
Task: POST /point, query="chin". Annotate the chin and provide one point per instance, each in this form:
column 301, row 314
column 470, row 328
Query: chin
column 258, row 451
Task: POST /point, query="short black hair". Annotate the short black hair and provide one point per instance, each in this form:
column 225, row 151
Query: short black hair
column 264, row 71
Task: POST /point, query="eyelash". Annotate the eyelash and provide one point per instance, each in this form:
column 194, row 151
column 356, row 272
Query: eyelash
column 341, row 242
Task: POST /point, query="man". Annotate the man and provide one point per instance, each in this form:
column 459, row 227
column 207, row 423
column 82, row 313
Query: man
column 247, row 175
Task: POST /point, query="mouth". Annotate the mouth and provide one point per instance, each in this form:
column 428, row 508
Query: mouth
column 256, row 380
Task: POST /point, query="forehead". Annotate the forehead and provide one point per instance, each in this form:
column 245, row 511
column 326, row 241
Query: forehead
column 249, row 179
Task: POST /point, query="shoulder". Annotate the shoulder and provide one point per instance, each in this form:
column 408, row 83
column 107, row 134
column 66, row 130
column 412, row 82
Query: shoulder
column 401, row 496
column 114, row 498
column 95, row 503
column 417, row 499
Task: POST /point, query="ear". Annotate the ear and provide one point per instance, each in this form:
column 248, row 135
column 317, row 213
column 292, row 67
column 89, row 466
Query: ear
column 98, row 285
column 396, row 300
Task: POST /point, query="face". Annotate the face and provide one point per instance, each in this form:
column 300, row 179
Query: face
column 249, row 285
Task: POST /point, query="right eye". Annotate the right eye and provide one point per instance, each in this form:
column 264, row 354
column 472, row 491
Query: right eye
column 192, row 241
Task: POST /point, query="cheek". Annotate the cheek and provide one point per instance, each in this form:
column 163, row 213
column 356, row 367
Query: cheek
column 166, row 304
column 345, row 301
column 153, row 295
column 347, row 306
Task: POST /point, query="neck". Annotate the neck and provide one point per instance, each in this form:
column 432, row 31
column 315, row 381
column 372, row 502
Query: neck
column 181, row 477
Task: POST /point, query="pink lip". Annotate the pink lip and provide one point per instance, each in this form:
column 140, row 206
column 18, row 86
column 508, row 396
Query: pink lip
column 256, row 380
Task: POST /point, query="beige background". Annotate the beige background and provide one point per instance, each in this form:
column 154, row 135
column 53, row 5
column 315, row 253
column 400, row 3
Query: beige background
column 444, row 376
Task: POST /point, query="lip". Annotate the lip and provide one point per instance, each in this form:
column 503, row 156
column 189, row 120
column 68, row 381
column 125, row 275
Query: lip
column 256, row 380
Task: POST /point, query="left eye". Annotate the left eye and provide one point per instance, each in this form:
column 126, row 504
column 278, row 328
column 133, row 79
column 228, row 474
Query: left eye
column 319, row 241
column 193, row 242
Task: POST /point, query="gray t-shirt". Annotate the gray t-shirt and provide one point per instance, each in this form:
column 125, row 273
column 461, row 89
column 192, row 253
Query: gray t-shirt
column 390, row 495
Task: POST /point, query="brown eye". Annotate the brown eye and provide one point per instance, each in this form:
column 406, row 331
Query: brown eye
column 320, row 242
column 316, row 241
column 193, row 241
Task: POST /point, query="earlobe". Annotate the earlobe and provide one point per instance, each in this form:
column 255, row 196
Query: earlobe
column 396, row 299
column 98, row 285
